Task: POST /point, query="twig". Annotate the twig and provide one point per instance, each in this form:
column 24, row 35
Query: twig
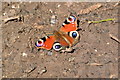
column 114, row 38
column 31, row 70
column 110, row 19
column 12, row 18
column 95, row 64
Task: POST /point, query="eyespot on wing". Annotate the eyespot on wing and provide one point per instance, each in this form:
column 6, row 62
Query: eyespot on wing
column 47, row 43
column 70, row 24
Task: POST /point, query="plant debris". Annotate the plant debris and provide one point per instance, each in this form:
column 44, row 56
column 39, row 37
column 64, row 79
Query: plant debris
column 18, row 18
column 112, row 76
column 53, row 19
column 95, row 64
column 89, row 9
column 43, row 71
column 31, row 70
column 114, row 38
column 110, row 19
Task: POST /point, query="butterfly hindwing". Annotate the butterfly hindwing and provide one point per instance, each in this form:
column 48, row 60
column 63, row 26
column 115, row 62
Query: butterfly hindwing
column 45, row 42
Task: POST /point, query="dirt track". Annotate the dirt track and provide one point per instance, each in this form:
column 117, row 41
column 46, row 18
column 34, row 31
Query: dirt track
column 95, row 56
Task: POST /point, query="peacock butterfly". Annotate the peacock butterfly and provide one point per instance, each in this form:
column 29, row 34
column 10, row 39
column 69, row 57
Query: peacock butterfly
column 66, row 36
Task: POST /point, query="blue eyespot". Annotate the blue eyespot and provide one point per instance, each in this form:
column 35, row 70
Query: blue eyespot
column 57, row 46
column 74, row 34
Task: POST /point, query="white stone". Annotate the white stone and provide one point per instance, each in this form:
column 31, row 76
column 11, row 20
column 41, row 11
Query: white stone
column 24, row 54
column 95, row 50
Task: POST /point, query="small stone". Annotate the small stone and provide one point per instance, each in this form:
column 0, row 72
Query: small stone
column 69, row 69
column 24, row 54
column 50, row 10
column 71, row 59
column 4, row 76
column 50, row 53
column 43, row 71
column 4, row 14
column 53, row 19
column 58, row 5
column 108, row 43
column 42, row 54
column 95, row 50
column 30, row 1
column 112, row 76
column 18, row 37
column 13, row 6
column 11, row 52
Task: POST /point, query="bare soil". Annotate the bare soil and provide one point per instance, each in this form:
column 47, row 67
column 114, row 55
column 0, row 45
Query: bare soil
column 95, row 56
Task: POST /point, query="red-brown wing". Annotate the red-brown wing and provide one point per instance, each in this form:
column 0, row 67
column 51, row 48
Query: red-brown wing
column 70, row 24
column 45, row 42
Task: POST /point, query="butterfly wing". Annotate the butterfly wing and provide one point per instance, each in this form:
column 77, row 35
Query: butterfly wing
column 70, row 24
column 65, row 40
column 64, row 37
column 69, row 27
column 45, row 42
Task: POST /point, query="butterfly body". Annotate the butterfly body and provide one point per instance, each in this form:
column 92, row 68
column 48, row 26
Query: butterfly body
column 67, row 36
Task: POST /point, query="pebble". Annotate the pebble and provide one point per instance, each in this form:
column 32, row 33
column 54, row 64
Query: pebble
column 71, row 59
column 24, row 54
column 4, row 76
column 95, row 50
column 30, row 1
column 13, row 6
column 50, row 10
column 42, row 54
column 43, row 71
column 108, row 43
column 4, row 14
column 58, row 5
column 50, row 53
column 53, row 19
column 11, row 52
